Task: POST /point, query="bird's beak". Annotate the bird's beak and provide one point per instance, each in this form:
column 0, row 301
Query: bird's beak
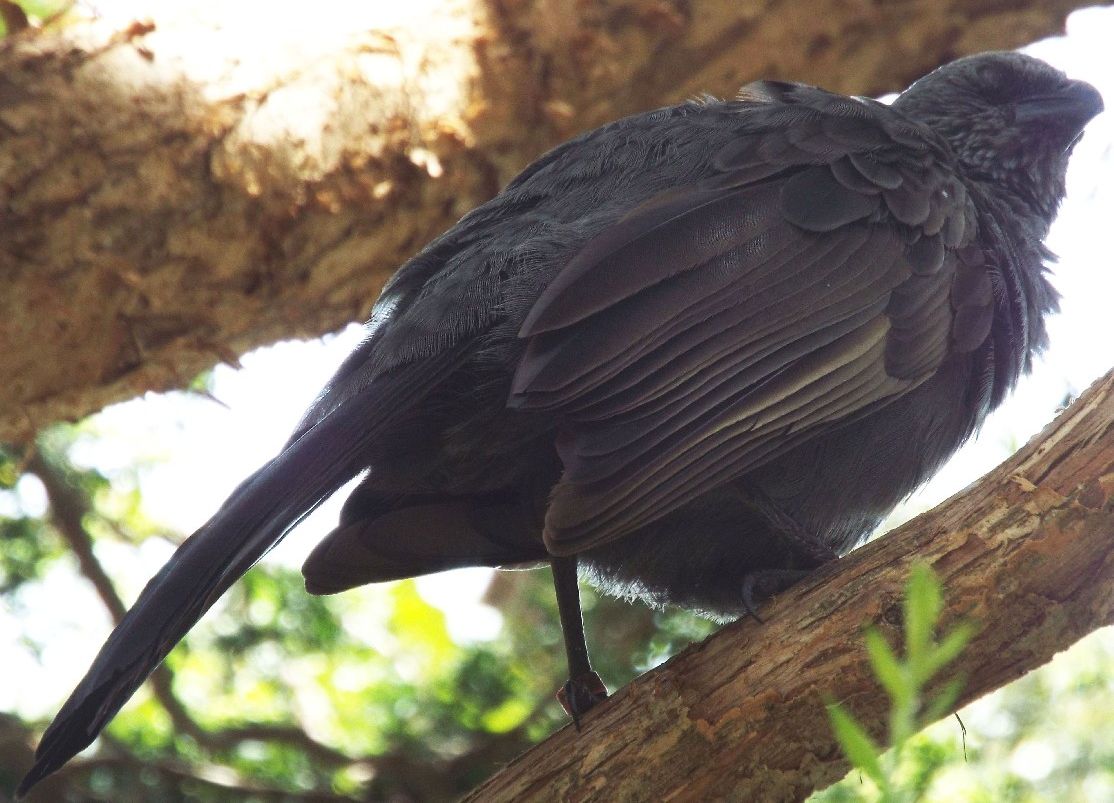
column 1066, row 112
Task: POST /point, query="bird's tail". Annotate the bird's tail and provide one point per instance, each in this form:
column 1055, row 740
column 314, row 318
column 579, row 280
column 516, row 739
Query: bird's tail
column 254, row 518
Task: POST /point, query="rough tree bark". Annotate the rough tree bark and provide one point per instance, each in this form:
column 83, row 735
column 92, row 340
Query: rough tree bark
column 1026, row 553
column 170, row 196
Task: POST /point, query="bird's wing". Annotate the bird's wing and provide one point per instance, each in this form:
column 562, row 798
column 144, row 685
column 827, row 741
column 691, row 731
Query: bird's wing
column 804, row 282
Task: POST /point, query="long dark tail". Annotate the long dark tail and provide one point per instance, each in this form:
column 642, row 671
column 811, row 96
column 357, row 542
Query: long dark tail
column 254, row 518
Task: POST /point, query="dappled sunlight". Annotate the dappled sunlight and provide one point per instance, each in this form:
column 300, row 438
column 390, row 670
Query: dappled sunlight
column 320, row 85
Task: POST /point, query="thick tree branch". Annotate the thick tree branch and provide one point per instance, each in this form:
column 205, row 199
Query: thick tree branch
column 1027, row 553
column 171, row 198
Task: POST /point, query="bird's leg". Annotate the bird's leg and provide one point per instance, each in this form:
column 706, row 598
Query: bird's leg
column 812, row 552
column 584, row 688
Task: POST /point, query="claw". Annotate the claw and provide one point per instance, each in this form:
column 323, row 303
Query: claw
column 750, row 606
column 765, row 583
column 581, row 694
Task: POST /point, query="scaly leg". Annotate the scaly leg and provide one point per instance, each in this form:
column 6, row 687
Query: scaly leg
column 584, row 688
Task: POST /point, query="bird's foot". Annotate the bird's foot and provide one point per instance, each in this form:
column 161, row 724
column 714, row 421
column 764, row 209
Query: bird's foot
column 580, row 694
column 759, row 586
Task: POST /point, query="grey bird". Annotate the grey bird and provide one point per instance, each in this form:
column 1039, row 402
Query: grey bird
column 696, row 353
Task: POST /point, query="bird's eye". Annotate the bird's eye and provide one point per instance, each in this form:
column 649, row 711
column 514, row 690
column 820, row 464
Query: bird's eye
column 990, row 73
column 997, row 85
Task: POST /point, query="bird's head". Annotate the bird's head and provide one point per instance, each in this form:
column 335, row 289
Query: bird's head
column 1011, row 119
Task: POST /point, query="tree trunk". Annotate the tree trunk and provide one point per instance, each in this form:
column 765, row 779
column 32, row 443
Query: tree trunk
column 171, row 195
column 1026, row 554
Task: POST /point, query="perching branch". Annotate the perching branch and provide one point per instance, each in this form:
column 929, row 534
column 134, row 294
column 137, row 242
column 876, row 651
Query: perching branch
column 1026, row 553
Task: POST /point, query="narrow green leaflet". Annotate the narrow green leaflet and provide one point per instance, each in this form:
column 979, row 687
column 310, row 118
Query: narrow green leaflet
column 923, row 603
column 856, row 743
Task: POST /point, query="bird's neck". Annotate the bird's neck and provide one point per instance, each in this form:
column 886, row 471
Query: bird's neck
column 1024, row 294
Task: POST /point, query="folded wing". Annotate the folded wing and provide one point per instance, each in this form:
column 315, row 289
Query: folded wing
column 803, row 283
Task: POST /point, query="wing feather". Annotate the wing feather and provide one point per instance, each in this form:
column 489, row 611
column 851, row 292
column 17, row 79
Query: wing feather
column 693, row 466
column 806, row 281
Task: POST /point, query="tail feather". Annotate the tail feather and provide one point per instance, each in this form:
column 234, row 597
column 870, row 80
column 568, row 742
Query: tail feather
column 432, row 536
column 255, row 517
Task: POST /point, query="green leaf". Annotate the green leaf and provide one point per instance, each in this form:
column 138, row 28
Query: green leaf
column 857, row 745
column 947, row 650
column 944, row 701
column 887, row 668
column 923, row 602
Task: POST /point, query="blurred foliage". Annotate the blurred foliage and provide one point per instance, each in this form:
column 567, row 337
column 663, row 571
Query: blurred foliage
column 17, row 14
column 25, row 553
column 278, row 695
column 903, row 774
